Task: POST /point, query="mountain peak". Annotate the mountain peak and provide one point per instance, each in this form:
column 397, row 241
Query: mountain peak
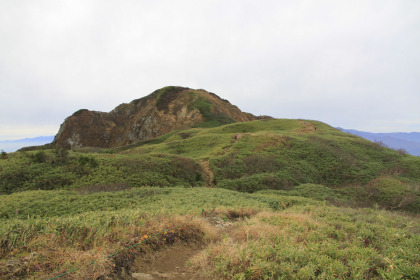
column 166, row 109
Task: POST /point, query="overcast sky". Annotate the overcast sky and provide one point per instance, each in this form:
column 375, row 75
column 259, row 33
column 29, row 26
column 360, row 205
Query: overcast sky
column 353, row 64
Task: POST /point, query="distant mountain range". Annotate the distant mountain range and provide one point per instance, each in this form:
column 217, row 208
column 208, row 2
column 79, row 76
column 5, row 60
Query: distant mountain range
column 410, row 142
column 10, row 146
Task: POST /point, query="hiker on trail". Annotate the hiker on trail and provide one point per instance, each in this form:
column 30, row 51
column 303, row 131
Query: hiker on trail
column 235, row 136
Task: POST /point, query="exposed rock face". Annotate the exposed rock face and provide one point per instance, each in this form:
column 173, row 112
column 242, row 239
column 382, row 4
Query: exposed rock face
column 165, row 110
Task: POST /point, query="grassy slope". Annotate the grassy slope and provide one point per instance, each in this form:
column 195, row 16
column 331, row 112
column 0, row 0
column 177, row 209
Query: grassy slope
column 283, row 154
column 58, row 208
column 313, row 242
column 289, row 237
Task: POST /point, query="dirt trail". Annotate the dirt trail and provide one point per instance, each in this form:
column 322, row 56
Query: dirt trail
column 208, row 173
column 307, row 127
column 171, row 263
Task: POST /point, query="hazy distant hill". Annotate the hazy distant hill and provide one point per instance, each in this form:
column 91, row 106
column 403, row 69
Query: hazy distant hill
column 397, row 140
column 10, row 146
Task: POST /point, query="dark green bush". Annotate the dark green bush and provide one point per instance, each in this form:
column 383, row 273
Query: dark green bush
column 392, row 194
column 259, row 163
column 61, row 155
column 257, row 182
column 13, row 180
column 87, row 161
column 39, row 157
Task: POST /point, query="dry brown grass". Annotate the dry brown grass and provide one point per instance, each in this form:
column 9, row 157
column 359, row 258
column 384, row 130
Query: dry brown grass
column 235, row 250
column 50, row 255
column 307, row 127
column 226, row 249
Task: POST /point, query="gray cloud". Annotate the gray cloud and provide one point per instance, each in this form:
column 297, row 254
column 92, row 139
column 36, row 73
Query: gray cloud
column 348, row 63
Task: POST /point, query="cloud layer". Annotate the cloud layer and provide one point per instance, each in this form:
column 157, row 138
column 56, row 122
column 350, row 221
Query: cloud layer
column 352, row 64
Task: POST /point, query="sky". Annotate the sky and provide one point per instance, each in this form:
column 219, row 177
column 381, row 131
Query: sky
column 349, row 63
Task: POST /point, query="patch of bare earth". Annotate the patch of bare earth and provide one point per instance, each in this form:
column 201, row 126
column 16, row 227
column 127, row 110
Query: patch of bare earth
column 172, row 262
column 307, row 127
column 169, row 263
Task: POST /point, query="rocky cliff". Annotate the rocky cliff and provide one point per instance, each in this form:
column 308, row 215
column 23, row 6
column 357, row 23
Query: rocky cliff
column 165, row 110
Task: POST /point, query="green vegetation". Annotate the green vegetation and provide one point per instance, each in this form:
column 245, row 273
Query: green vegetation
column 311, row 242
column 286, row 155
column 165, row 96
column 211, row 118
column 46, row 170
column 3, row 155
column 279, row 236
column 309, row 202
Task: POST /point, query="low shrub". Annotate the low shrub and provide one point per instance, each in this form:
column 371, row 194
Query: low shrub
column 391, row 193
column 313, row 191
column 257, row 182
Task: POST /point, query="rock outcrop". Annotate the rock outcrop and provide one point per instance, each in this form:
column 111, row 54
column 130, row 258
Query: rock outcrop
column 165, row 110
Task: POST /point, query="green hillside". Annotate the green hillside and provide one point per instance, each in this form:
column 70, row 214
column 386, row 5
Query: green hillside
column 296, row 191
column 304, row 158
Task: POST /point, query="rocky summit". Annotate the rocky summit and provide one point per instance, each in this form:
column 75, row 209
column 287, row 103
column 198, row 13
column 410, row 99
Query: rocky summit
column 165, row 110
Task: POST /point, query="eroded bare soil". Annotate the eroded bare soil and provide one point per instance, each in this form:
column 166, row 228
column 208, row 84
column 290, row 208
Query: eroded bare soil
column 172, row 262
